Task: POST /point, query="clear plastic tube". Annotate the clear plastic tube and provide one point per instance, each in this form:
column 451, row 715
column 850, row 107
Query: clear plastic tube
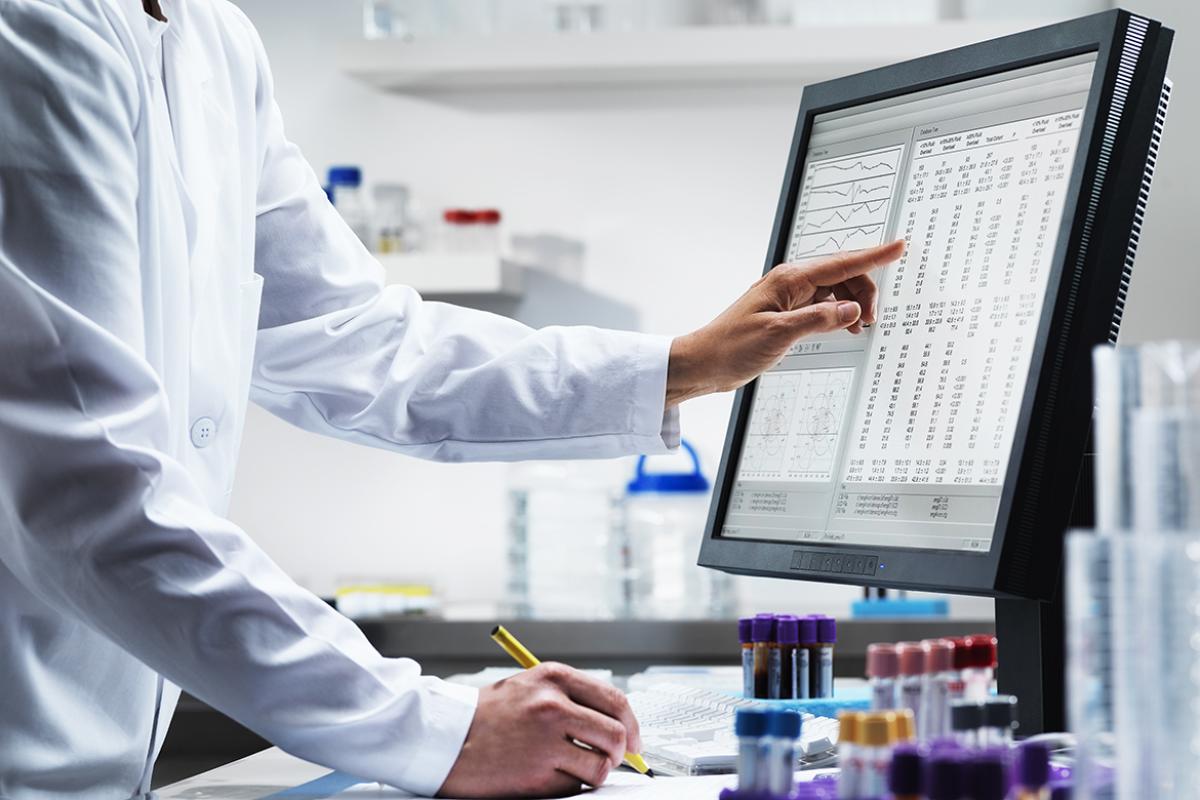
column 883, row 666
column 783, row 729
column 750, row 726
column 849, row 755
column 911, row 685
column 934, row 719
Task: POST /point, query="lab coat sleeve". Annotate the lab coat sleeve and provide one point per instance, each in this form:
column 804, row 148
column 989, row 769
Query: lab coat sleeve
column 96, row 518
column 339, row 353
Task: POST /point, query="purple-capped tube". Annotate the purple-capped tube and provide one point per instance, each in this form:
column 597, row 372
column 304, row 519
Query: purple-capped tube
column 762, row 635
column 1033, row 771
column 945, row 776
column 787, row 635
column 906, row 775
column 987, row 775
column 806, row 654
column 745, row 625
column 821, row 669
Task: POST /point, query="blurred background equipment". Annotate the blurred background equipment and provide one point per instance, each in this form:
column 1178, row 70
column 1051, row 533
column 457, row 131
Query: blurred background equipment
column 663, row 523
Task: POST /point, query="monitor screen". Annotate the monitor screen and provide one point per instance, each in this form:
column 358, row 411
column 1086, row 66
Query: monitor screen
column 902, row 436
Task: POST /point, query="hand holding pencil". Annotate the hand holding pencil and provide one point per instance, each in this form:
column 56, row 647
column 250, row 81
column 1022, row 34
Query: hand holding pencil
column 523, row 739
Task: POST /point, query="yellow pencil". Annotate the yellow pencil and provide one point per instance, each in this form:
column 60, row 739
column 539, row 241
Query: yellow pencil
column 528, row 660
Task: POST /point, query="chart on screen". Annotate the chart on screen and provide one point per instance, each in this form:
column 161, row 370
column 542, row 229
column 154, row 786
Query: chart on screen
column 794, row 430
column 844, row 203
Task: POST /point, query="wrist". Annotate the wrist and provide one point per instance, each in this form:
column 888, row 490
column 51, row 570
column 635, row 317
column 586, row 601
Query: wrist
column 684, row 371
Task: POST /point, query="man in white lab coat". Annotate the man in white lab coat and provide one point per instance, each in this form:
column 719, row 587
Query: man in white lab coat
column 149, row 202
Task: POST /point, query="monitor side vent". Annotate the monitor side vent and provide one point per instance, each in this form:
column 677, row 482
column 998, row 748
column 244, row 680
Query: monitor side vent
column 1139, row 214
column 1131, row 50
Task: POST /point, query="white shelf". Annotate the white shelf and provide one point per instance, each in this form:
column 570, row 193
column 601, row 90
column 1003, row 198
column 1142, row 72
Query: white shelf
column 698, row 56
column 453, row 274
column 490, row 283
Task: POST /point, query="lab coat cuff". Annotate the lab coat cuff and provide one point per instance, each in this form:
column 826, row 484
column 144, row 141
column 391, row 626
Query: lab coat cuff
column 652, row 420
column 449, row 710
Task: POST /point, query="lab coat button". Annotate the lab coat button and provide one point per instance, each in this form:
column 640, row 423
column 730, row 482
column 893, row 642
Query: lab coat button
column 203, row 430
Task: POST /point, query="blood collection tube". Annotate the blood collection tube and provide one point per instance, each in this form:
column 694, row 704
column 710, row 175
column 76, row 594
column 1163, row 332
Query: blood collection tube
column 762, row 631
column 934, row 719
column 883, row 665
column 999, row 720
column 783, row 729
column 877, row 738
column 945, row 776
column 787, row 634
column 774, row 663
column 806, row 657
column 821, row 670
column 745, row 625
column 906, row 775
column 912, row 677
column 966, row 720
column 750, row 725
column 987, row 775
column 981, row 666
column 849, row 745
column 906, row 727
column 1033, row 771
column 961, row 661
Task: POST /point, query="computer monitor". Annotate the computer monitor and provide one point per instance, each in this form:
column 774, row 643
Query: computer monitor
column 940, row 449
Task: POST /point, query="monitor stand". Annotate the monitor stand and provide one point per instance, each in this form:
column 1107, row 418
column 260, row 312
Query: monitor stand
column 1032, row 637
column 1033, row 661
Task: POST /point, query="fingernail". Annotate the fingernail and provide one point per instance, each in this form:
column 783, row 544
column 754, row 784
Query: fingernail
column 848, row 311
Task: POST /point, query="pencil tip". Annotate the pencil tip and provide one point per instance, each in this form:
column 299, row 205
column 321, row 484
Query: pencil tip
column 649, row 773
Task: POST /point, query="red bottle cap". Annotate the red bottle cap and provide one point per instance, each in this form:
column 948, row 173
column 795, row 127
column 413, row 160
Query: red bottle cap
column 981, row 651
column 459, row 216
column 961, row 657
column 912, row 658
column 882, row 661
column 939, row 655
column 488, row 216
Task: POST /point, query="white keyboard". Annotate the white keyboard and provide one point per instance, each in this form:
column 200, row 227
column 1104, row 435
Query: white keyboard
column 689, row 731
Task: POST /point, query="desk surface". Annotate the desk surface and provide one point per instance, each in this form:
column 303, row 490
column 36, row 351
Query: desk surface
column 274, row 775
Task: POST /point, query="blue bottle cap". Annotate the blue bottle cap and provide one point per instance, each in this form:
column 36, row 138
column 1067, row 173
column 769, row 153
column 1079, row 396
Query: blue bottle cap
column 784, row 723
column 669, row 482
column 345, row 176
column 750, row 722
column 745, row 626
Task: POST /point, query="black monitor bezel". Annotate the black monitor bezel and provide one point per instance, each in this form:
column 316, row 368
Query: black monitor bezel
column 1048, row 445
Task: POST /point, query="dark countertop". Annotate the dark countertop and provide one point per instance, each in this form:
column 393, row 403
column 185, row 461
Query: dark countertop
column 625, row 646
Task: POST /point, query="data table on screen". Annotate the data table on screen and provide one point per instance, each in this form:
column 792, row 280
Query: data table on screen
column 902, row 435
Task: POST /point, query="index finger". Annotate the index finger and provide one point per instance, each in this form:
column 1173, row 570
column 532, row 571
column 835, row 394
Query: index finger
column 606, row 699
column 842, row 267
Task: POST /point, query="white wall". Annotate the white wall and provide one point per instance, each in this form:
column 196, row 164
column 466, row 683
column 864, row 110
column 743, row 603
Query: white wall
column 674, row 192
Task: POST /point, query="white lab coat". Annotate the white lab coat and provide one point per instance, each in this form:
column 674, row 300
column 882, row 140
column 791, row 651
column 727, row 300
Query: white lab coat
column 148, row 199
